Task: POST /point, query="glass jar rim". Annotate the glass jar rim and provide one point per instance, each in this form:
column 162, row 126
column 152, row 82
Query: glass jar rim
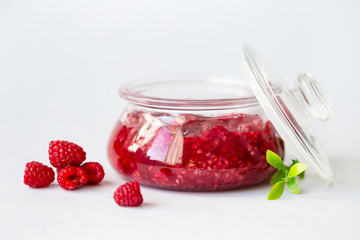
column 136, row 92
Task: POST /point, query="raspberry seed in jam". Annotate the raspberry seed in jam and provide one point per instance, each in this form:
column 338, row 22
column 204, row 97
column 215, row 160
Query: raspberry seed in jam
column 193, row 152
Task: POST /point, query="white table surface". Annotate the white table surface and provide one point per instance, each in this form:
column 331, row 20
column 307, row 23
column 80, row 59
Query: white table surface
column 61, row 63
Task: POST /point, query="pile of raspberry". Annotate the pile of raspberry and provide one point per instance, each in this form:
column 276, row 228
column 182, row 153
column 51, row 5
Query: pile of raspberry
column 68, row 158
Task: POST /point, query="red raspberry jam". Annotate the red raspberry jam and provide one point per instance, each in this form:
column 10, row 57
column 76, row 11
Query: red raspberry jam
column 193, row 152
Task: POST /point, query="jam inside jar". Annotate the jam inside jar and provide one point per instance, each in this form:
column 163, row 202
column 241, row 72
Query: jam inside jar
column 193, row 134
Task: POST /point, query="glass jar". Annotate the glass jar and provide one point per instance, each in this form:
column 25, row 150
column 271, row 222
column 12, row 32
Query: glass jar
column 193, row 134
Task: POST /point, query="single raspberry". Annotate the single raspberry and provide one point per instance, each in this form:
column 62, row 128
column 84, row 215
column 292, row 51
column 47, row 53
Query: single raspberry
column 71, row 177
column 38, row 175
column 63, row 153
column 128, row 195
column 95, row 171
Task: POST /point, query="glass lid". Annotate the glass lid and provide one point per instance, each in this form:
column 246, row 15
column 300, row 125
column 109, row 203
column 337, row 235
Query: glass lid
column 291, row 110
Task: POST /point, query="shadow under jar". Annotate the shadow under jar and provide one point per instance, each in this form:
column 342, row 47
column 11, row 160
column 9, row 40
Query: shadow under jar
column 193, row 134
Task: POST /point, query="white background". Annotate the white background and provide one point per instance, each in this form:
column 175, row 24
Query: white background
column 61, row 63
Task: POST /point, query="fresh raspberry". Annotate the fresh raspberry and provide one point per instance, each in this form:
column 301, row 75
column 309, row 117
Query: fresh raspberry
column 38, row 175
column 128, row 195
column 71, row 177
column 63, row 153
column 95, row 171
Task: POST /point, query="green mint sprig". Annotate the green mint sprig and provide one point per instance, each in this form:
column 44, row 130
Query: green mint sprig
column 284, row 176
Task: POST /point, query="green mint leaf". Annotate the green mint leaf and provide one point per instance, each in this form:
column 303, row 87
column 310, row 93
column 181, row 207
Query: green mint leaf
column 302, row 175
column 277, row 177
column 276, row 191
column 294, row 161
column 293, row 185
column 284, row 176
column 274, row 160
column 296, row 169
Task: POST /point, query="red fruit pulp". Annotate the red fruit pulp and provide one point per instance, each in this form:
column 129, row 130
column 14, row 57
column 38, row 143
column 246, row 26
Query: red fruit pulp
column 193, row 152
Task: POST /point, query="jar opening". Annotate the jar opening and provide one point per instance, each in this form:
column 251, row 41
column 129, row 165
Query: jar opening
column 186, row 93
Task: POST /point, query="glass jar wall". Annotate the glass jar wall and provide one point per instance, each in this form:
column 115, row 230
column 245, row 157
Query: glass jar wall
column 193, row 134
